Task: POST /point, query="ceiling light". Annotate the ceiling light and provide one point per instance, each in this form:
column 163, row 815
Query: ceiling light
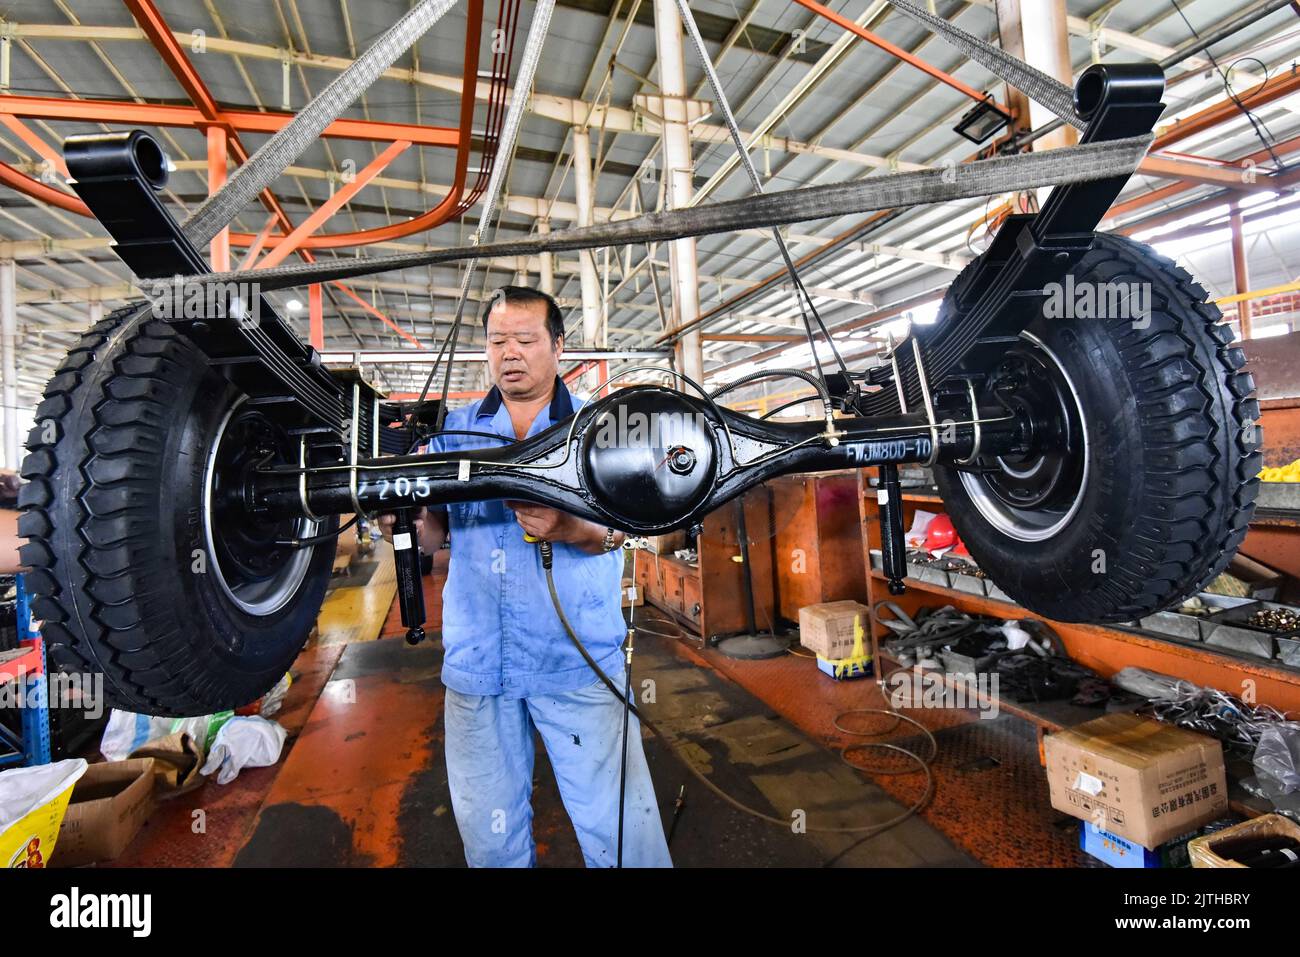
column 982, row 121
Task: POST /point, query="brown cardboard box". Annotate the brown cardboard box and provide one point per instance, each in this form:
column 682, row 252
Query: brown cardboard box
column 829, row 628
column 109, row 805
column 632, row 594
column 1137, row 777
column 667, row 544
column 1202, row 849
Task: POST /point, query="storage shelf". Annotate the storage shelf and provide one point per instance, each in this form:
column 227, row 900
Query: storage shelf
column 1048, row 715
column 984, row 605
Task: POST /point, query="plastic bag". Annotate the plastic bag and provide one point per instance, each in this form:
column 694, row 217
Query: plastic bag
column 32, row 803
column 1148, row 684
column 1277, row 761
column 127, row 731
column 250, row 742
column 23, row 790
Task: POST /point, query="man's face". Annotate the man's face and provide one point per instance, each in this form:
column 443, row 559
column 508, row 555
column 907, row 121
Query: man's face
column 522, row 359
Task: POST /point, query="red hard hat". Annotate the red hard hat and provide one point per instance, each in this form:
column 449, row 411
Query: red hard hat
column 939, row 533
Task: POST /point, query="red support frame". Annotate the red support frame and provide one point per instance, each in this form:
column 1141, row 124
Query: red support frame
column 897, row 51
column 207, row 112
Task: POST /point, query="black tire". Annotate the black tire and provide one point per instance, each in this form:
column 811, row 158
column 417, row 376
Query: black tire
column 113, row 512
column 1172, row 455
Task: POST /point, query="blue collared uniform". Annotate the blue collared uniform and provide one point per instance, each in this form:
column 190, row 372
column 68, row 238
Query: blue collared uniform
column 510, row 669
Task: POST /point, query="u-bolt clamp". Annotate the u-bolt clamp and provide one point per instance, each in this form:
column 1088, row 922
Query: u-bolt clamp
column 352, row 452
column 302, row 480
column 929, row 405
column 975, row 424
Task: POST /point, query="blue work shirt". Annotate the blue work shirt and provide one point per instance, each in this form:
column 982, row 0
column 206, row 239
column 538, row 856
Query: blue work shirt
column 500, row 632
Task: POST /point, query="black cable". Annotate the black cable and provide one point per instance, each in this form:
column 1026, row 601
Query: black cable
column 866, row 830
column 321, row 539
column 1261, row 130
column 798, row 284
column 818, row 384
column 627, row 697
column 454, row 338
column 786, row 405
column 802, row 296
column 470, row 432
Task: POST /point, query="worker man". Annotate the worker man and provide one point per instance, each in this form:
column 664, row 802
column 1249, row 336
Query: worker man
column 508, row 666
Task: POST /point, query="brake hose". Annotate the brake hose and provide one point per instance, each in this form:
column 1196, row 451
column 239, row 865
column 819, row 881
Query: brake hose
column 868, row 830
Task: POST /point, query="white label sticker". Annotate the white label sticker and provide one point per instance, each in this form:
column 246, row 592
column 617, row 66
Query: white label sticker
column 1088, row 784
column 464, row 470
column 882, row 496
column 402, row 542
column 631, row 594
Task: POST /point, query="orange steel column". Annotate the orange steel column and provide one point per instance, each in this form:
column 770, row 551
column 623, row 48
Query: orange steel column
column 217, row 147
column 316, row 316
column 1240, row 270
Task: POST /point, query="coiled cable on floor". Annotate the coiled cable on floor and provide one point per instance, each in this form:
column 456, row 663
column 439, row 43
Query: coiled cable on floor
column 865, row 830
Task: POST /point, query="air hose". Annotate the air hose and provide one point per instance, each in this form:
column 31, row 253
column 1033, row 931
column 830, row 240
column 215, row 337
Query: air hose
column 866, row 830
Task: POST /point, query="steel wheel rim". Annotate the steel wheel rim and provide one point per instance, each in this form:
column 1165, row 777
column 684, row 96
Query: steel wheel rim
column 256, row 598
column 1030, row 525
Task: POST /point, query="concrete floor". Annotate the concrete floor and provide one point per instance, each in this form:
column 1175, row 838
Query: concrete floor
column 365, row 783
column 362, row 781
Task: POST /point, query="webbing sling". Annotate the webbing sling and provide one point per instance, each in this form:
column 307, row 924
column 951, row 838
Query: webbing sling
column 1035, row 84
column 1000, row 174
column 275, row 155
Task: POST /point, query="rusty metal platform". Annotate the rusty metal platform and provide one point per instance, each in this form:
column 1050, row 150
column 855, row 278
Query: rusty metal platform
column 990, row 789
column 365, row 783
column 362, row 781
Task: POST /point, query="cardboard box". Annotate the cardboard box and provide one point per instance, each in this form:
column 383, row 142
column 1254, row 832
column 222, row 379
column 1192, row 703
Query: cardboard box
column 667, row 544
column 1137, row 778
column 632, row 594
column 1266, row 825
column 109, row 805
column 835, row 629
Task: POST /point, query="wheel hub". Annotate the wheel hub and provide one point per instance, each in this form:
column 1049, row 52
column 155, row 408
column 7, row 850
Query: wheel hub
column 1031, row 497
column 255, row 570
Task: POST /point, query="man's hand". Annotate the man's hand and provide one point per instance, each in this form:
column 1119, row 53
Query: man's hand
column 556, row 526
column 430, row 532
column 387, row 520
column 548, row 523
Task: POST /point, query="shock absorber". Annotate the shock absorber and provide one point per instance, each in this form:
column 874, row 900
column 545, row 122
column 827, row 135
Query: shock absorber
column 893, row 549
column 410, row 588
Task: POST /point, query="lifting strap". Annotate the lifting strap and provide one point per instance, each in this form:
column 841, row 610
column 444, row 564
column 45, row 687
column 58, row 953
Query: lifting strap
column 1034, row 83
column 992, row 176
column 275, row 155
column 987, row 177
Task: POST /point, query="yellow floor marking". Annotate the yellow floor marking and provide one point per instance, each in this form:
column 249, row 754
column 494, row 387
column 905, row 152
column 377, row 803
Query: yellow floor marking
column 354, row 613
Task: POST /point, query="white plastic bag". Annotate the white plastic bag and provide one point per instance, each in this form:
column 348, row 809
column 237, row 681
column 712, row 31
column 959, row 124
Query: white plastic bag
column 250, row 742
column 127, row 731
column 23, row 790
column 1277, row 760
column 1149, row 684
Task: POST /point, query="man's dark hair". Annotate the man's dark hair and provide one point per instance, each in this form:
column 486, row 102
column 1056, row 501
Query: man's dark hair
column 523, row 296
